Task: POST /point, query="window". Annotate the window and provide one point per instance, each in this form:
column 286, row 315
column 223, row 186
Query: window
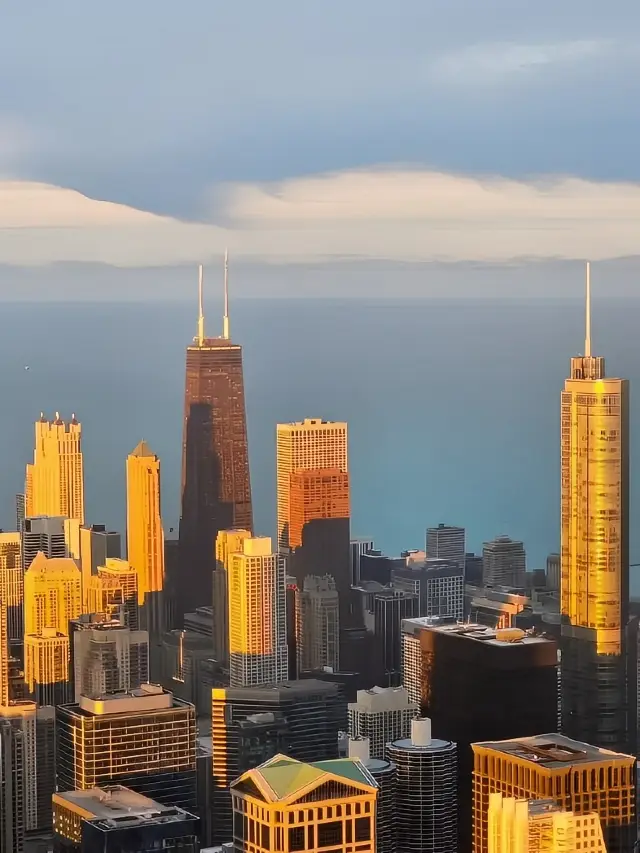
column 296, row 838
column 330, row 834
column 363, row 829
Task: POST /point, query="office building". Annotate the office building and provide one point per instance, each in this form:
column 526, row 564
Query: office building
column 319, row 624
column 107, row 657
column 46, row 667
column 12, row 584
column 426, row 791
column 12, row 784
column 579, row 777
column 553, row 572
column 52, row 594
column 473, row 568
column 114, row 591
column 539, row 826
column 54, row 483
column 308, row 446
column 144, row 739
column 390, row 608
column 458, row 674
column 313, row 494
column 382, row 715
column 284, row 805
column 504, row 563
column 97, row 545
column 257, row 615
column 44, row 534
column 495, row 607
column 216, row 486
column 185, row 659
column 439, row 585
column 228, row 542
column 446, row 542
column 115, row 818
column 384, row 774
column 251, row 724
column 598, row 686
column 145, row 535
column 358, row 548
column 204, row 787
column 4, row 656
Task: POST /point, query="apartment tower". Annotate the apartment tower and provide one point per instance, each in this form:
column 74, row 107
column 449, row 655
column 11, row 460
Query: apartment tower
column 46, row 667
column 257, row 615
column 598, row 681
column 216, row 487
column 54, row 482
column 228, row 542
column 114, row 591
column 52, row 594
column 12, row 584
column 145, row 535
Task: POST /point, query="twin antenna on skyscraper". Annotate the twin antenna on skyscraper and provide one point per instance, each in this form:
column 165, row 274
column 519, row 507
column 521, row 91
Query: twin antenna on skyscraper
column 225, row 319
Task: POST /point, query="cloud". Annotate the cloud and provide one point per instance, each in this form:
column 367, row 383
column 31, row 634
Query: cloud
column 380, row 214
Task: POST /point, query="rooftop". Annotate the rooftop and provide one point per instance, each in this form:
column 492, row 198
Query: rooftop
column 147, row 697
column 555, row 751
column 277, row 692
column 118, row 806
column 480, row 633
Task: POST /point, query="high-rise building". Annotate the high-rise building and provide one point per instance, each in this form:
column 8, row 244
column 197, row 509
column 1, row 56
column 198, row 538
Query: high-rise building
column 459, row 673
column 145, row 535
column 54, row 482
column 358, row 548
column 284, row 805
column 439, row 585
column 257, row 615
column 216, row 486
column 553, row 572
column 113, row 818
column 114, row 591
column 307, row 446
column 384, row 773
column 228, row 542
column 12, row 793
column 313, row 494
column 598, row 705
column 390, row 608
column 12, row 584
column 46, row 534
column 540, row 826
column 52, row 594
column 21, row 511
column 577, row 776
column 4, row 655
column 319, row 624
column 426, row 792
column 144, row 739
column 302, row 717
column 46, row 667
column 382, row 715
column 107, row 657
column 504, row 563
column 185, row 667
column 97, row 545
column 446, row 542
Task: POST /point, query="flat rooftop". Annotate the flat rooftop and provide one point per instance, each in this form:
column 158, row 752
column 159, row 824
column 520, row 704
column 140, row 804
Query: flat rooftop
column 117, row 807
column 147, row 697
column 555, row 751
column 470, row 630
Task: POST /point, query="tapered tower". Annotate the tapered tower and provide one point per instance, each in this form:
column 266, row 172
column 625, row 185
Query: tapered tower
column 54, row 483
column 216, row 488
column 598, row 684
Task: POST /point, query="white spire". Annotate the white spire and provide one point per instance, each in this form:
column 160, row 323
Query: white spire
column 587, row 334
column 225, row 319
column 200, row 309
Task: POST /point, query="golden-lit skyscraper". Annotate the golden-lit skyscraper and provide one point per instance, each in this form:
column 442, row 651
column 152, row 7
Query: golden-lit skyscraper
column 52, row 594
column 12, row 583
column 309, row 445
column 228, row 542
column 598, row 698
column 54, row 482
column 4, row 656
column 578, row 777
column 540, row 826
column 114, row 592
column 46, row 667
column 257, row 615
column 145, row 535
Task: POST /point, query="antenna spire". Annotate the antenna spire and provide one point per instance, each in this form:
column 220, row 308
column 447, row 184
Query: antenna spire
column 225, row 319
column 200, row 309
column 587, row 335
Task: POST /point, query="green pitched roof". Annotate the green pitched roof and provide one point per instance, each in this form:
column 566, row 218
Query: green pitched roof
column 350, row 770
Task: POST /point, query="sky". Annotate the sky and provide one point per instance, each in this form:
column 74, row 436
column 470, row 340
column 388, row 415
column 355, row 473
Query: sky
column 154, row 134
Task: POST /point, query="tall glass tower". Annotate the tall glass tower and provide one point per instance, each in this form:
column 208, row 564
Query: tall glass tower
column 216, row 486
column 597, row 681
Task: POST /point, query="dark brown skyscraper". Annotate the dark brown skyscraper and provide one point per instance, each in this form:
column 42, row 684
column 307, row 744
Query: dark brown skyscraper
column 216, row 488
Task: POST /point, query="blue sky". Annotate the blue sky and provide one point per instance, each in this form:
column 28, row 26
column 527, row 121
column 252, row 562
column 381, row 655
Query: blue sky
column 154, row 105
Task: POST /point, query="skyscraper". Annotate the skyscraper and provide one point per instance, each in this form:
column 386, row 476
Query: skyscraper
column 382, row 715
column 97, row 545
column 319, row 624
column 12, row 794
column 598, row 703
column 216, row 487
column 54, row 482
column 257, row 615
column 43, row 533
column 12, row 584
column 446, row 542
column 52, row 594
column 46, row 667
column 228, row 542
column 503, row 563
column 145, row 535
column 114, row 591
column 4, row 656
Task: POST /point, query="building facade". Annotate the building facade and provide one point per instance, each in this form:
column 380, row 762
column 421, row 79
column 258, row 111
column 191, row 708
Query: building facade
column 43, row 533
column 12, row 584
column 114, row 591
column 228, row 542
column 504, row 563
column 46, row 667
column 54, row 482
column 12, row 793
column 318, row 624
column 382, row 715
column 446, row 542
column 52, row 594
column 107, row 657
